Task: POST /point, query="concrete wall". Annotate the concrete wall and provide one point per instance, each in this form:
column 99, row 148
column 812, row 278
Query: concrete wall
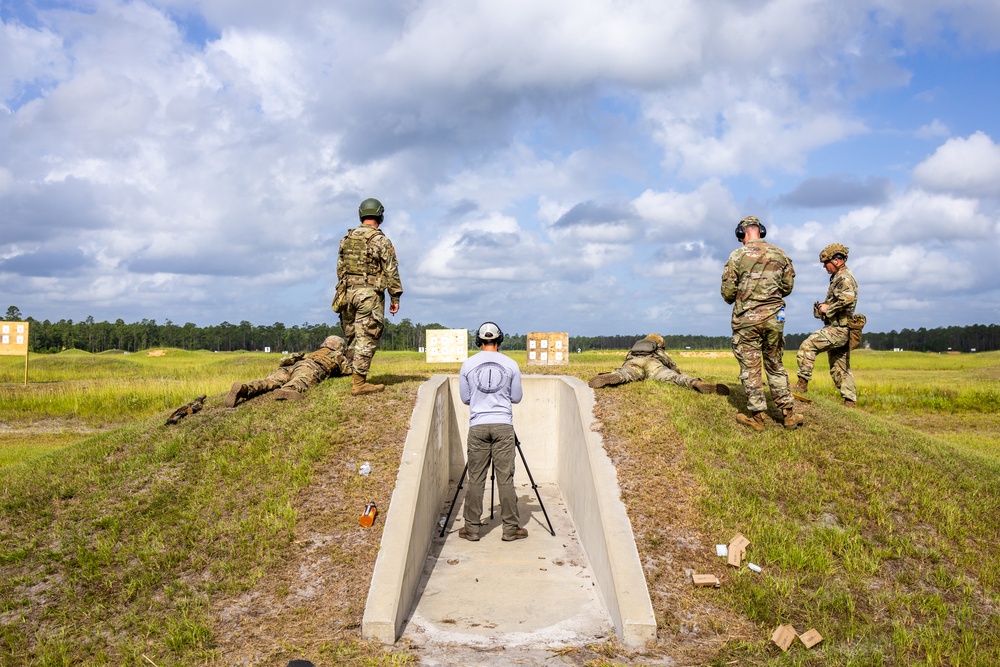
column 553, row 425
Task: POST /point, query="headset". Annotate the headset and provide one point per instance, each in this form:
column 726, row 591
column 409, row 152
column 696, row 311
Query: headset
column 741, row 233
column 489, row 333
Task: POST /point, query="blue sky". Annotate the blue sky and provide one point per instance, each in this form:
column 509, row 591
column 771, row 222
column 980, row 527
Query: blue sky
column 559, row 166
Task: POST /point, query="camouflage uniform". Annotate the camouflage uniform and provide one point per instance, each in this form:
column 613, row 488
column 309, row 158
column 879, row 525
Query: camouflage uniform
column 367, row 267
column 297, row 372
column 755, row 280
column 641, row 364
column 841, row 298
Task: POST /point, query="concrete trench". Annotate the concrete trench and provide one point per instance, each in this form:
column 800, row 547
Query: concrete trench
column 574, row 588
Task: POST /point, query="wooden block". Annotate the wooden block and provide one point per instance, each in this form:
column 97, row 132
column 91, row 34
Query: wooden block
column 810, row 637
column 783, row 636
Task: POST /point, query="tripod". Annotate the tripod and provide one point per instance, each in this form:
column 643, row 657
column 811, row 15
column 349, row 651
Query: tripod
column 534, row 487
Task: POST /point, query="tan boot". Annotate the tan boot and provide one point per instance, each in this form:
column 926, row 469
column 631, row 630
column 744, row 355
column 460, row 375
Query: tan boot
column 754, row 421
column 791, row 419
column 801, row 387
column 850, row 404
column 238, row 391
column 605, row 380
column 359, row 385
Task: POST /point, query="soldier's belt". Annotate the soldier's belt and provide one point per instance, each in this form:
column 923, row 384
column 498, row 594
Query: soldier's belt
column 355, row 280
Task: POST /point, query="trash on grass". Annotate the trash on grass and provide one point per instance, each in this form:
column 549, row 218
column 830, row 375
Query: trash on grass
column 705, row 580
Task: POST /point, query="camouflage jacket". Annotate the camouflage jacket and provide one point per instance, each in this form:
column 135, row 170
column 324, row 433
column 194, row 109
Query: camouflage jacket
column 659, row 355
column 381, row 258
column 841, row 298
column 333, row 362
column 755, row 280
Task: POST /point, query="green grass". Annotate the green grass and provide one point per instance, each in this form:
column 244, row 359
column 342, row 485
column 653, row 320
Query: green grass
column 876, row 526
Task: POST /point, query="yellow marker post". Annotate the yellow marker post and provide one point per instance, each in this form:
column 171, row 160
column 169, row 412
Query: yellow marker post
column 14, row 342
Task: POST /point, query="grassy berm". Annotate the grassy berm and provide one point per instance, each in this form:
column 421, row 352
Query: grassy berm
column 232, row 537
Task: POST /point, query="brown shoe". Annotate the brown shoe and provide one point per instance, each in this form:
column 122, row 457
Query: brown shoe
column 850, row 404
column 801, row 387
column 359, row 385
column 287, row 395
column 518, row 534
column 791, row 419
column 468, row 534
column 605, row 380
column 754, row 421
column 703, row 387
column 238, row 391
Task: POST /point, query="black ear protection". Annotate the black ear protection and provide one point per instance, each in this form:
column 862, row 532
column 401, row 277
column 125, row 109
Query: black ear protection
column 489, row 333
column 741, row 233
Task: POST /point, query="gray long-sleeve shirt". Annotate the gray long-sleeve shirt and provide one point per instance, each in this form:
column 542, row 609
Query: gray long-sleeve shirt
column 488, row 383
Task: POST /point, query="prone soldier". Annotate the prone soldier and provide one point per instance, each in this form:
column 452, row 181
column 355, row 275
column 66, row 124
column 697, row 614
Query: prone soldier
column 649, row 359
column 296, row 373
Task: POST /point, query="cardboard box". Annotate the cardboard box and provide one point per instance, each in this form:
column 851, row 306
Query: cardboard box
column 810, row 637
column 783, row 636
column 737, row 550
column 705, row 580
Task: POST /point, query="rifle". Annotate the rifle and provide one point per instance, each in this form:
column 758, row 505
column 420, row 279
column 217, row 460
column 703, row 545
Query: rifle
column 186, row 409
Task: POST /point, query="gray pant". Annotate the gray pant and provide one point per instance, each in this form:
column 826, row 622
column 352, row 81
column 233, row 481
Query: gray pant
column 488, row 441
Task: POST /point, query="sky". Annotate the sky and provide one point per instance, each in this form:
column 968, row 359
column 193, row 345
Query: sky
column 573, row 166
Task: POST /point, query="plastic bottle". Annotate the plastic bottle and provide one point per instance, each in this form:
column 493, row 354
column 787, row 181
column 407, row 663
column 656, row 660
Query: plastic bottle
column 367, row 517
column 365, row 469
column 781, row 315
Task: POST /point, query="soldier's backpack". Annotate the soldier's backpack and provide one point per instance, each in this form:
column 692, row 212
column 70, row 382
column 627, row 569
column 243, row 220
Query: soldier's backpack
column 855, row 323
column 643, row 347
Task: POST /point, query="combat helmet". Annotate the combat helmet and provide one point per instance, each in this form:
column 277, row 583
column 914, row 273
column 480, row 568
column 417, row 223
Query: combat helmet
column 658, row 339
column 833, row 250
column 371, row 208
column 333, row 343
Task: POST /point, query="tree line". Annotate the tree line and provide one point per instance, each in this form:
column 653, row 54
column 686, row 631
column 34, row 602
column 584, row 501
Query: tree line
column 92, row 336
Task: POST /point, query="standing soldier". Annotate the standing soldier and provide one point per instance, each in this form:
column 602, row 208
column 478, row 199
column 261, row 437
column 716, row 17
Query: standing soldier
column 366, row 268
column 649, row 359
column 841, row 298
column 755, row 280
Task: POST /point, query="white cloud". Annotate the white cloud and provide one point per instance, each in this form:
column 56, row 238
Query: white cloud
column 969, row 166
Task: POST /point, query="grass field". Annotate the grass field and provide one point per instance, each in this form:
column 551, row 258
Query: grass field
column 232, row 537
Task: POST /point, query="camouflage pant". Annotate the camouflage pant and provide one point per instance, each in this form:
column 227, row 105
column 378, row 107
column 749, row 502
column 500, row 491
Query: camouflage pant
column 363, row 321
column 300, row 376
column 274, row 380
column 758, row 349
column 833, row 341
column 640, row 368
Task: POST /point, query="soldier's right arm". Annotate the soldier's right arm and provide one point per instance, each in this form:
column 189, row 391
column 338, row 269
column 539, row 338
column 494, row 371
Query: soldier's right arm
column 729, row 282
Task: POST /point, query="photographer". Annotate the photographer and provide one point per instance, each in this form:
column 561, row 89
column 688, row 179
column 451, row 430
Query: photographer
column 489, row 382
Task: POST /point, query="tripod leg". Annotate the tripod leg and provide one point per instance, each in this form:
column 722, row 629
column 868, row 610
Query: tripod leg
column 454, row 500
column 534, row 487
column 493, row 474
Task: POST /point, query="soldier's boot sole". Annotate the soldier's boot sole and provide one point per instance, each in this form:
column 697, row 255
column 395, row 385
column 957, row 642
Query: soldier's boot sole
column 604, row 380
column 287, row 395
column 238, row 391
column 756, row 422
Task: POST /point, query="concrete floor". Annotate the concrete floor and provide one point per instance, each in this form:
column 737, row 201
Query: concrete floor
column 533, row 593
